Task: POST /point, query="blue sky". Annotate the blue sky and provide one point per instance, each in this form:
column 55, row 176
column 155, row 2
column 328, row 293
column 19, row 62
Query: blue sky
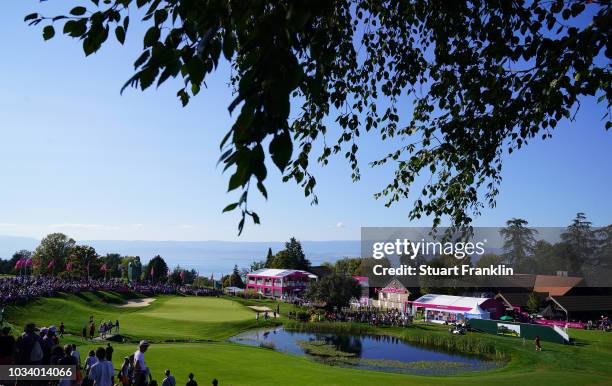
column 77, row 157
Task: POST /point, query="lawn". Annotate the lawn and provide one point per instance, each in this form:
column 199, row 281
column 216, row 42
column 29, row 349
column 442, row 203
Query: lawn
column 215, row 319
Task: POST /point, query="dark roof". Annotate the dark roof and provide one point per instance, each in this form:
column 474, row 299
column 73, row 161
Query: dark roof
column 320, row 270
column 584, row 303
column 519, row 299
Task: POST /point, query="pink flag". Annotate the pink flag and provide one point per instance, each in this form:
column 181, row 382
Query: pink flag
column 51, row 264
column 182, row 275
column 103, row 268
column 69, row 267
column 19, row 264
column 29, row 262
column 152, row 271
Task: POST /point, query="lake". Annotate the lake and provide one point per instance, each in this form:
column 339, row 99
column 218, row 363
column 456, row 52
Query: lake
column 374, row 352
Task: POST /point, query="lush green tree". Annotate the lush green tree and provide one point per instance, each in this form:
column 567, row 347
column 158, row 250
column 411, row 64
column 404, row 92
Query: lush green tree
column 348, row 266
column 580, row 240
column 533, row 303
column 156, row 270
column 84, row 262
column 257, row 265
column 480, row 79
column 202, row 282
column 51, row 254
column 519, row 242
column 292, row 257
column 182, row 276
column 113, row 263
column 235, row 279
column 334, row 291
column 8, row 266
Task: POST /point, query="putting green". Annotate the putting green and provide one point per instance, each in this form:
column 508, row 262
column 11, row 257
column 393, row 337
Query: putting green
column 197, row 309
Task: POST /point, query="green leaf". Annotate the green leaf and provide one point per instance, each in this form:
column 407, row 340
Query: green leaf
column 151, row 36
column 230, row 207
column 229, row 45
column 78, row 11
column 30, row 17
column 48, row 32
column 281, row 149
column 120, row 34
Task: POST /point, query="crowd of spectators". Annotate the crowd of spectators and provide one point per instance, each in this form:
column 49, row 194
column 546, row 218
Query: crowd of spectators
column 42, row 346
column 373, row 316
column 23, row 288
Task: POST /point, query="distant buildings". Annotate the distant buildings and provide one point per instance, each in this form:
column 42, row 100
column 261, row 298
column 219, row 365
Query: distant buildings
column 283, row 284
column 394, row 296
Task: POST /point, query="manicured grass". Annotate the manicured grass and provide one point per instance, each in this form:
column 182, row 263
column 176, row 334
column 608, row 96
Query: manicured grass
column 167, row 318
column 586, row 363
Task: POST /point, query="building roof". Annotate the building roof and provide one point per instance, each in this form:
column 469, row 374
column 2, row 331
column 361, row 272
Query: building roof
column 518, row 299
column 555, row 285
column 460, row 303
column 320, row 270
column 274, row 272
column 584, row 303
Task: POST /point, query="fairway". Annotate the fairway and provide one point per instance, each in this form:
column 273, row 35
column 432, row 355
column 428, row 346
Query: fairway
column 198, row 309
column 175, row 318
column 173, row 322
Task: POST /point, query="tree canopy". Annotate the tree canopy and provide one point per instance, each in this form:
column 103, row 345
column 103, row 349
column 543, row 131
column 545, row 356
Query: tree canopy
column 292, row 257
column 334, row 291
column 454, row 85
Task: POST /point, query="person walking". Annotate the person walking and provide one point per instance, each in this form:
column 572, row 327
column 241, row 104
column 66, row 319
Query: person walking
column 109, row 352
column 102, row 373
column 67, row 360
column 7, row 346
column 141, row 370
column 62, row 329
column 84, row 333
column 538, row 345
column 92, row 330
column 90, row 361
column 169, row 379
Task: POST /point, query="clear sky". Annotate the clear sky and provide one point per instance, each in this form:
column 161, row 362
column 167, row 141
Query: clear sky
column 77, row 157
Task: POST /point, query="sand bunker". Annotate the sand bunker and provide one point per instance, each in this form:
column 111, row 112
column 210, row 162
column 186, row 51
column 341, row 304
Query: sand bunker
column 137, row 303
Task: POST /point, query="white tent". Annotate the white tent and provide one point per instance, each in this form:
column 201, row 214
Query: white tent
column 478, row 313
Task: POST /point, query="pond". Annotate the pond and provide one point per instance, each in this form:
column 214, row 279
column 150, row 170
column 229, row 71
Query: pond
column 374, row 352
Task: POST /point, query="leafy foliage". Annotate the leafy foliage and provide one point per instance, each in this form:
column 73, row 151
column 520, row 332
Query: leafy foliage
column 53, row 250
column 156, row 270
column 334, row 290
column 292, row 257
column 484, row 79
column 519, row 242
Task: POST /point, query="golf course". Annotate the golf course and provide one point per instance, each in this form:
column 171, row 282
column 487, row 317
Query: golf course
column 190, row 334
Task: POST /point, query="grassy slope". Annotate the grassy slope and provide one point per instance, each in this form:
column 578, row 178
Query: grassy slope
column 167, row 318
column 587, row 363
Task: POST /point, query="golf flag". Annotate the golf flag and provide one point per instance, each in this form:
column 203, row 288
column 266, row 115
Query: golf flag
column 69, row 267
column 28, row 262
column 152, row 271
column 182, row 275
column 18, row 264
column 103, row 268
column 51, row 264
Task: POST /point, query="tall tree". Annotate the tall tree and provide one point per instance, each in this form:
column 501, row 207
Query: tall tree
column 235, row 279
column 334, row 291
column 156, row 270
column 85, row 262
column 51, row 254
column 269, row 258
column 113, row 262
column 292, row 257
column 580, row 239
column 483, row 78
column 519, row 242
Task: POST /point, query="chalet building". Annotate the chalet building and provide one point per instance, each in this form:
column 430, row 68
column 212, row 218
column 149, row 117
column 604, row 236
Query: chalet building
column 283, row 284
column 394, row 296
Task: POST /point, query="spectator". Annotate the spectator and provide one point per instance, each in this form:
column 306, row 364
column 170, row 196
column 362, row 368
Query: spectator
column 125, row 371
column 169, row 380
column 191, row 381
column 102, row 373
column 62, row 329
column 67, row 360
column 109, row 352
column 29, row 348
column 215, row 382
column 91, row 360
column 76, row 354
column 7, row 346
column 141, row 371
